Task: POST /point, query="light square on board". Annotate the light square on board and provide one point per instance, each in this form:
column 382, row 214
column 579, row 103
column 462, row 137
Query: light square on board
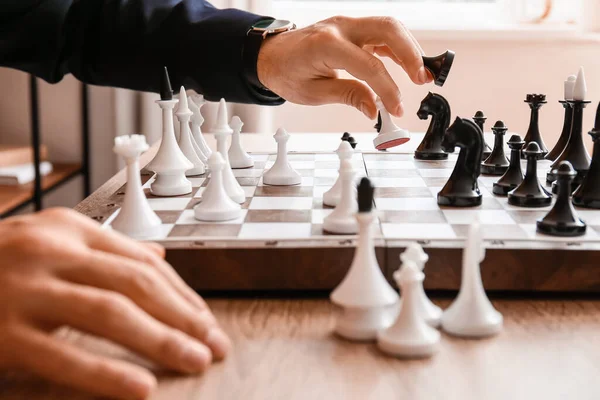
column 259, row 157
column 169, row 203
column 412, row 217
column 435, row 173
column 248, row 191
column 247, row 173
column 490, row 217
column 388, row 157
column 393, row 173
column 401, row 192
column 281, row 203
column 382, row 164
column 493, row 231
column 417, row 231
column 169, row 216
column 295, row 157
column 205, row 230
column 275, row 231
column 408, row 203
column 398, row 182
column 590, row 217
column 305, row 181
column 187, row 218
column 284, row 191
column 295, row 164
column 278, row 216
column 319, row 215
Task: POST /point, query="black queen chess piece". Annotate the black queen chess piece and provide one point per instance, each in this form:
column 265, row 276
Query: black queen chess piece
column 462, row 189
column 480, row 119
column 588, row 194
column 514, row 174
column 530, row 192
column 535, row 101
column 562, row 220
column 496, row 163
column 431, row 146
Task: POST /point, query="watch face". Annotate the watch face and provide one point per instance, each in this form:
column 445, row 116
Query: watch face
column 272, row 25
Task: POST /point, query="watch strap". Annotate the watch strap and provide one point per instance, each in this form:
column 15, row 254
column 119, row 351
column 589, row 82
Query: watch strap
column 254, row 40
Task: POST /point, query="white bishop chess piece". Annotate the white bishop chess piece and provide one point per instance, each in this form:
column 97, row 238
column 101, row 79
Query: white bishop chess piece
column 238, row 158
column 282, row 173
column 186, row 141
column 216, row 205
column 367, row 299
column 389, row 135
column 472, row 314
column 332, row 197
column 195, row 103
column 136, row 218
column 341, row 220
column 410, row 336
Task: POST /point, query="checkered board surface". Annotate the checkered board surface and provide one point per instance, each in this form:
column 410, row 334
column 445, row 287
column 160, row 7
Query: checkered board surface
column 405, row 201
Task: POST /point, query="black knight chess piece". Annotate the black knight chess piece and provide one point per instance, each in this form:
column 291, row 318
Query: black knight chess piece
column 563, row 220
column 514, row 175
column 588, row 194
column 462, row 189
column 530, row 192
column 439, row 66
column 496, row 163
column 535, row 101
column 431, row 146
column 480, row 119
column 563, row 139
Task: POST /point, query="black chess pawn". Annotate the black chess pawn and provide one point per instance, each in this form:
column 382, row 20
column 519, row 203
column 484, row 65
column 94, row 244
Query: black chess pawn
column 166, row 93
column 530, row 192
column 562, row 220
column 480, row 119
column 365, row 191
column 496, row 163
column 535, row 101
column 563, row 139
column 438, row 107
column 588, row 194
column 514, row 174
column 439, row 66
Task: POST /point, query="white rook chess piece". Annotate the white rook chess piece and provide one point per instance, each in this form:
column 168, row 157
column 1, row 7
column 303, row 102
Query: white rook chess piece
column 389, row 134
column 196, row 102
column 431, row 313
column 238, row 158
column 332, row 197
column 136, row 218
column 341, row 220
column 216, row 205
column 472, row 314
column 282, row 173
column 186, row 141
column 410, row 336
column 368, row 301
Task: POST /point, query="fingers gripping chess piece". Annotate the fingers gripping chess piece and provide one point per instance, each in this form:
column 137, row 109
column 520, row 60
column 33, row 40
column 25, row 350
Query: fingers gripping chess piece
column 342, row 220
column 332, row 197
column 368, row 301
column 282, row 173
column 186, row 141
column 439, row 109
column 238, row 158
column 136, row 218
column 195, row 103
column 389, row 134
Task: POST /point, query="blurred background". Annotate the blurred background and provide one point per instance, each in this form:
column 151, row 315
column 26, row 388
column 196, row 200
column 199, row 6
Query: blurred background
column 505, row 49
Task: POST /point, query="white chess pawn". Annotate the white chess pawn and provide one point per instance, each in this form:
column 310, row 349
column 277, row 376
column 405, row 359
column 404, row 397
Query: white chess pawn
column 472, row 314
column 390, row 135
column 410, row 336
column 136, row 218
column 332, row 197
column 368, row 301
column 341, row 220
column 238, row 158
column 169, row 163
column 216, row 205
column 186, row 141
column 282, row 173
column 195, row 103
column 431, row 313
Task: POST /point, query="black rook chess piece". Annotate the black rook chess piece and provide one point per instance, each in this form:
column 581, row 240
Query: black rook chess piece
column 514, row 175
column 166, row 93
column 431, row 146
column 439, row 66
column 365, row 192
column 530, row 192
column 588, row 194
column 566, row 132
column 350, row 139
column 562, row 220
column 480, row 119
column 496, row 163
column 462, row 189
column 535, row 101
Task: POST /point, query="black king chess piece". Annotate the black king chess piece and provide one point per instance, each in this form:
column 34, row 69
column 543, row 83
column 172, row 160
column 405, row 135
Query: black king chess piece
column 462, row 189
column 588, row 194
column 480, row 119
column 365, row 191
column 564, row 135
column 350, row 139
column 166, row 93
column 496, row 163
column 530, row 192
column 431, row 146
column 562, row 220
column 535, row 101
column 439, row 66
column 514, row 174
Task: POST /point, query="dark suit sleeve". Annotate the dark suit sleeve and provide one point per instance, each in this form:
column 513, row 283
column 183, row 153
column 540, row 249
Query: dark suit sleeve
column 124, row 43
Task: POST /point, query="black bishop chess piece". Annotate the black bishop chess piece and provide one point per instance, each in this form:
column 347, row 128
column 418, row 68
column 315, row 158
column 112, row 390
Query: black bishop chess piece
column 530, row 193
column 535, row 101
column 350, row 139
column 588, row 193
column 496, row 163
column 166, row 93
column 431, row 146
column 480, row 119
column 563, row 139
column 365, row 191
column 439, row 66
column 514, row 174
column 562, row 220
column 462, row 189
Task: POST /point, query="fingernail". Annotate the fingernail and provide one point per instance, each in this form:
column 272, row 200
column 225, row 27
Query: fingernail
column 140, row 385
column 423, row 75
column 218, row 342
column 196, row 357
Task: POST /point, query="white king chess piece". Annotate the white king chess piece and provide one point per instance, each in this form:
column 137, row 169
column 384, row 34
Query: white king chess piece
column 368, row 301
column 472, row 314
column 136, row 218
column 282, row 173
column 186, row 141
column 195, row 103
column 238, row 158
column 389, row 135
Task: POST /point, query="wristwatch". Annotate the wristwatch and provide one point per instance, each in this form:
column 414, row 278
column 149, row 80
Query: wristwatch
column 254, row 39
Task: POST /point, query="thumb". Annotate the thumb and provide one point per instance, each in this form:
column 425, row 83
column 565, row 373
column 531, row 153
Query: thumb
column 345, row 91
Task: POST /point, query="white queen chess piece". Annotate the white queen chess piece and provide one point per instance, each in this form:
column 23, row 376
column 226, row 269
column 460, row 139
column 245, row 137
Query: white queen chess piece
column 238, row 158
column 367, row 299
column 186, row 141
column 472, row 314
column 332, row 197
column 136, row 218
column 195, row 103
column 282, row 173
column 389, row 135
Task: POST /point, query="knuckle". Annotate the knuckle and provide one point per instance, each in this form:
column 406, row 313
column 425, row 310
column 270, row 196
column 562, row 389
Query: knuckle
column 350, row 96
column 143, row 283
column 390, row 23
column 111, row 309
column 327, row 33
column 376, row 65
column 171, row 346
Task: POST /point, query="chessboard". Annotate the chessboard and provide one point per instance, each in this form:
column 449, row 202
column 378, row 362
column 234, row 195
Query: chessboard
column 279, row 243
